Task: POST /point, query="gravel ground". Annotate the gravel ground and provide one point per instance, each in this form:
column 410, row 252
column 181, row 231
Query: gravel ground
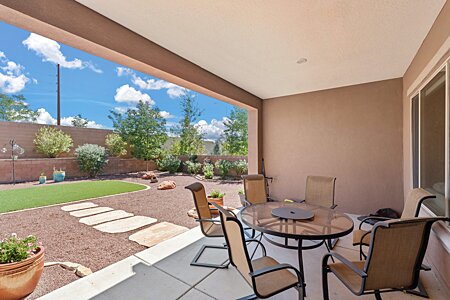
column 65, row 239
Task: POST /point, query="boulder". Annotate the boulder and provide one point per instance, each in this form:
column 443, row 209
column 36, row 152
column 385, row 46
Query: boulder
column 167, row 185
column 150, row 176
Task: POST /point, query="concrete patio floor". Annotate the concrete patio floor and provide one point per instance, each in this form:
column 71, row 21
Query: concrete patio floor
column 163, row 272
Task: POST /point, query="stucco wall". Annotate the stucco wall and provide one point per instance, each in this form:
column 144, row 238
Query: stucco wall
column 352, row 133
column 24, row 134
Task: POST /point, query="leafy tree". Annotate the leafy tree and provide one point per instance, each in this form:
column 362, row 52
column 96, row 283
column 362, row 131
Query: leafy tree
column 79, row 121
column 143, row 128
column 14, row 108
column 216, row 149
column 52, row 142
column 191, row 140
column 236, row 132
column 116, row 145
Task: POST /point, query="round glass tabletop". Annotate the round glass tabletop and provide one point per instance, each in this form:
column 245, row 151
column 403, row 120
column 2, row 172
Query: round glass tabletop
column 327, row 223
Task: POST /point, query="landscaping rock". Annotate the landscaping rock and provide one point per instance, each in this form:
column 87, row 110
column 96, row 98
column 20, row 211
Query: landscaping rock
column 155, row 234
column 83, row 271
column 69, row 265
column 90, row 211
column 150, row 176
column 79, row 270
column 105, row 217
column 79, row 206
column 167, row 185
column 124, row 225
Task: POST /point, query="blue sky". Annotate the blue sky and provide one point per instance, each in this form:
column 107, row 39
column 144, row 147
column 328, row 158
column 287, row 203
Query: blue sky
column 90, row 86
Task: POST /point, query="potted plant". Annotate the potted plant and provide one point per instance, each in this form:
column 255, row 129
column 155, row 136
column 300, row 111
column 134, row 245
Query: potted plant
column 59, row 175
column 42, row 178
column 242, row 197
column 216, row 197
column 21, row 266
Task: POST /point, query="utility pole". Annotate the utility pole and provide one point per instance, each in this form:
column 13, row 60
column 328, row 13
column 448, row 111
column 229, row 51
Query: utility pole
column 58, row 122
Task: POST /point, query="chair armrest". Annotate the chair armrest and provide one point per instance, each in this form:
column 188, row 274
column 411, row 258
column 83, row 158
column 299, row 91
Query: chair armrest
column 345, row 261
column 275, row 268
column 373, row 218
column 247, row 203
column 333, row 206
column 208, row 220
column 259, row 243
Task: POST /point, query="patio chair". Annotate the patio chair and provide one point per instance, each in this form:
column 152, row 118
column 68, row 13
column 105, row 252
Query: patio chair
column 394, row 262
column 265, row 275
column 255, row 189
column 411, row 210
column 210, row 227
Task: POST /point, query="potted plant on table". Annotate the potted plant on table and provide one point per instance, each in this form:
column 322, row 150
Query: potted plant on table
column 21, row 266
column 59, row 175
column 42, row 178
column 216, row 197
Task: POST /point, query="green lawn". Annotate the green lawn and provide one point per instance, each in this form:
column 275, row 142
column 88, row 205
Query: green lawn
column 11, row 200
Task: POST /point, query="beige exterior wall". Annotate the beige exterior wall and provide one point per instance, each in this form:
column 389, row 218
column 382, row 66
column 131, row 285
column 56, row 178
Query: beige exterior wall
column 434, row 51
column 352, row 133
column 24, row 134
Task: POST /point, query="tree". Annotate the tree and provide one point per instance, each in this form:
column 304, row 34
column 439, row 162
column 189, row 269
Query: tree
column 216, row 149
column 191, row 140
column 14, row 108
column 143, row 128
column 79, row 121
column 236, row 133
column 52, row 142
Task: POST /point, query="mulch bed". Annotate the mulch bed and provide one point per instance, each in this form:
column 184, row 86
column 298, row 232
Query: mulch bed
column 65, row 239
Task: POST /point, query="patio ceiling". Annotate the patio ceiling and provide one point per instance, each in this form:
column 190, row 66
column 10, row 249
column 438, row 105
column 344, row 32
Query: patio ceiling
column 256, row 44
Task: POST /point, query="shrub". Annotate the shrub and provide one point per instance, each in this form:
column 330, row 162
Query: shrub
column 193, row 167
column 13, row 249
column 216, row 194
column 240, row 166
column 224, row 167
column 208, row 171
column 116, row 145
column 168, row 163
column 52, row 142
column 91, row 158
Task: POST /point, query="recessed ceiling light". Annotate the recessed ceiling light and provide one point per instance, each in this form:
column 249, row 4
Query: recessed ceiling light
column 302, row 60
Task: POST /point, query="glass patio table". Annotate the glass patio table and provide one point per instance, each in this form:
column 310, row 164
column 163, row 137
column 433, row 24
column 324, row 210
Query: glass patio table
column 326, row 224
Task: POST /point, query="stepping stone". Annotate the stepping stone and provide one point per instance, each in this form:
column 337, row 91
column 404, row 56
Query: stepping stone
column 78, row 206
column 90, row 211
column 124, row 225
column 157, row 233
column 105, row 217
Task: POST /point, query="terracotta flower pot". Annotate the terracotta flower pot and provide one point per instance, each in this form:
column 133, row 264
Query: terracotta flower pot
column 19, row 279
column 219, row 201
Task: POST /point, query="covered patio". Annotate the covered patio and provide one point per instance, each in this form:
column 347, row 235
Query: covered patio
column 357, row 90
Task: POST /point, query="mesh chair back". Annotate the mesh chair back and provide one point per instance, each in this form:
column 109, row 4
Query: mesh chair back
column 320, row 190
column 396, row 253
column 255, row 188
column 201, row 204
column 234, row 236
column 414, row 201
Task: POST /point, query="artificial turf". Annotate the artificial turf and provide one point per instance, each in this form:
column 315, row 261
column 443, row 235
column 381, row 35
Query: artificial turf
column 17, row 199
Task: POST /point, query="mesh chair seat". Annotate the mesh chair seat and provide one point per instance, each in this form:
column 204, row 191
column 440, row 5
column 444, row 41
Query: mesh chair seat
column 347, row 275
column 359, row 239
column 214, row 230
column 271, row 282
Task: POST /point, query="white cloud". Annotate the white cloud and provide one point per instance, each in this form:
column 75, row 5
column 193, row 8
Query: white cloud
column 123, row 71
column 166, row 114
column 129, row 94
column 12, row 79
column 45, row 117
column 50, row 51
column 213, row 130
column 173, row 90
column 121, row 109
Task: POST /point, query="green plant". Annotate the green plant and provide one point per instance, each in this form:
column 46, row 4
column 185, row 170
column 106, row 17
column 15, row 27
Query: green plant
column 235, row 134
column 168, row 163
column 116, row 145
column 91, row 158
column 216, row 194
column 14, row 249
column 79, row 121
column 240, row 166
column 52, row 142
column 60, row 171
column 14, row 108
column 241, row 192
column 208, row 171
column 224, row 166
column 193, row 167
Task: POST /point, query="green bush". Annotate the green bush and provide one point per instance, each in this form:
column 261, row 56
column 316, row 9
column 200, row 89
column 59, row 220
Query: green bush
column 116, row 145
column 240, row 166
column 208, row 171
column 193, row 167
column 224, row 167
column 52, row 142
column 91, row 158
column 14, row 249
column 216, row 194
column 168, row 163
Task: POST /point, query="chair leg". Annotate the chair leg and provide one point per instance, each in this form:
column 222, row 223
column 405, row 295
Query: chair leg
column 332, row 243
column 378, row 295
column 207, row 265
column 249, row 297
column 421, row 292
column 328, row 249
column 325, row 283
column 299, row 289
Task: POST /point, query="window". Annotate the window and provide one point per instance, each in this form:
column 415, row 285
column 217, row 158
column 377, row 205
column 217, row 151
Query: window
column 430, row 150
